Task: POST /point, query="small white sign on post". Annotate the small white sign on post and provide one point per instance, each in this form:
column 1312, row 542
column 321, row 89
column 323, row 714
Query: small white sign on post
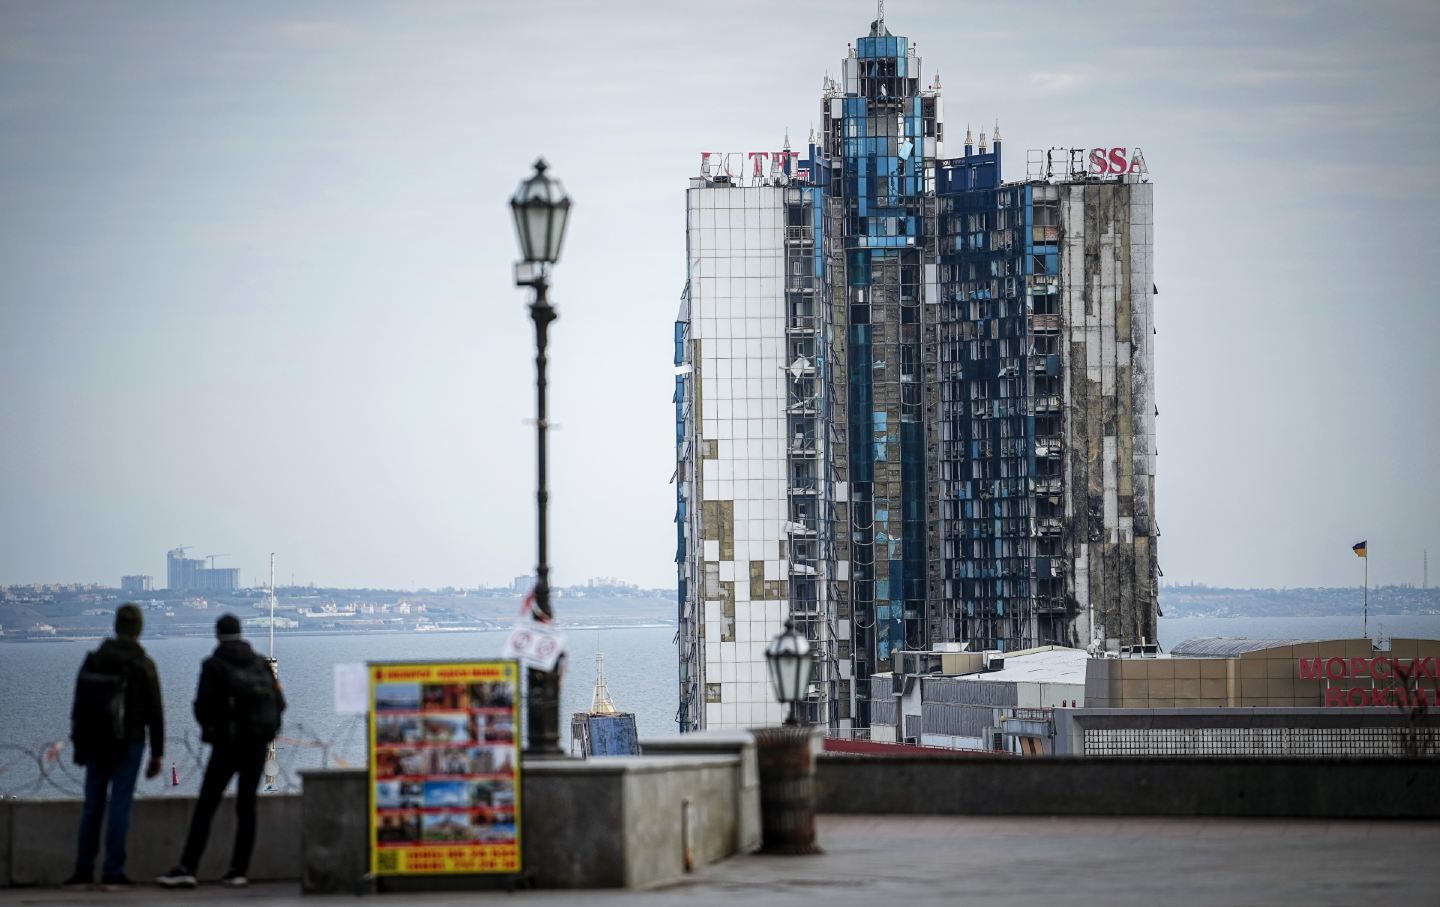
column 352, row 689
column 535, row 645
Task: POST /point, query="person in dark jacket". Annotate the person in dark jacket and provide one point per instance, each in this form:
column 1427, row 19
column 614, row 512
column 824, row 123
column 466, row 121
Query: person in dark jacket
column 225, row 703
column 113, row 765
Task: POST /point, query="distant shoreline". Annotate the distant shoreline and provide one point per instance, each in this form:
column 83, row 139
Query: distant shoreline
column 257, row 633
column 367, row 631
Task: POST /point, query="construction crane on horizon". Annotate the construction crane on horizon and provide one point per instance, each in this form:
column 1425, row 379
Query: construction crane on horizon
column 212, row 559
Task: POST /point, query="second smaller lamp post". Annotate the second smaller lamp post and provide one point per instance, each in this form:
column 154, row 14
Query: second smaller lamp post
column 783, row 754
column 788, row 657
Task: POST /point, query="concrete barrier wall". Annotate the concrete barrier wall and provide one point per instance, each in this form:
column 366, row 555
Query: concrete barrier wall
column 6, row 807
column 747, row 784
column 38, row 837
column 678, row 819
column 1342, row 789
column 646, row 821
column 597, row 823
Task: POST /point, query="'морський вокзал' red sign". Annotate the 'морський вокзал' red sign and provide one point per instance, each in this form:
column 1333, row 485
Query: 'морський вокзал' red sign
column 1394, row 681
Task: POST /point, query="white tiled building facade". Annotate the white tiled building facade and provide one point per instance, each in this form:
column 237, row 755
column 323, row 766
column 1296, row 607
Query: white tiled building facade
column 735, row 241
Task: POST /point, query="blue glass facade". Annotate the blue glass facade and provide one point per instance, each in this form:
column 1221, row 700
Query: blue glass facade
column 875, row 160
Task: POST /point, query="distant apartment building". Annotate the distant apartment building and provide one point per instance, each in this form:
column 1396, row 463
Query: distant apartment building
column 913, row 400
column 137, row 583
column 189, row 574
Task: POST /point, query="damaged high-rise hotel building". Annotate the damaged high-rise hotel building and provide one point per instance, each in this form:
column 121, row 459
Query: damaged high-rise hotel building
column 913, row 401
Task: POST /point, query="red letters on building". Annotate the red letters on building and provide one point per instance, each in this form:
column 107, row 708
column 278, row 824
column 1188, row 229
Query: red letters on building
column 1115, row 161
column 1387, row 680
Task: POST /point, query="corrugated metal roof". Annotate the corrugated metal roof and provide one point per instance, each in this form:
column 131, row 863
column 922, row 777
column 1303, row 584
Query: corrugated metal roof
column 1228, row 646
column 1051, row 665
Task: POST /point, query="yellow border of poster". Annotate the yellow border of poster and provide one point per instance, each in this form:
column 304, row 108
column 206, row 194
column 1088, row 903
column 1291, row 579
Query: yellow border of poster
column 451, row 734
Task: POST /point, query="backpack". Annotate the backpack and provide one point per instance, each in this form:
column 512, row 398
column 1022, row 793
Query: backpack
column 97, row 725
column 254, row 702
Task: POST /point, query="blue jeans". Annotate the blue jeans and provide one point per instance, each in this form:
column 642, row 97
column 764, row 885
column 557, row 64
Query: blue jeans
column 117, row 774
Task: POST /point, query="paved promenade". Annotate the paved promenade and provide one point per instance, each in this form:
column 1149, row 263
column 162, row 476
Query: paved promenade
column 914, row 860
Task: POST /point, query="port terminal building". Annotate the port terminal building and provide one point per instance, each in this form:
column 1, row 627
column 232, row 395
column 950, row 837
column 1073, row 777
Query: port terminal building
column 1209, row 697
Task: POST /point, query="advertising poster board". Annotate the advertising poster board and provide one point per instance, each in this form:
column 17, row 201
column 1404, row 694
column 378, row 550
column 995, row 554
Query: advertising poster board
column 444, row 768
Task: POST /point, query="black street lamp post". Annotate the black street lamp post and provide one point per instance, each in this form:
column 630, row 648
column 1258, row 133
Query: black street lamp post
column 541, row 209
column 783, row 754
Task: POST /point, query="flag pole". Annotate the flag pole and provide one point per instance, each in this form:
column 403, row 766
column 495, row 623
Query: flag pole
column 1365, row 625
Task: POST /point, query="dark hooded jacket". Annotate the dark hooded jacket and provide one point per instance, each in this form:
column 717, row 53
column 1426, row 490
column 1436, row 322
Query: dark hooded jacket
column 144, row 709
column 213, row 705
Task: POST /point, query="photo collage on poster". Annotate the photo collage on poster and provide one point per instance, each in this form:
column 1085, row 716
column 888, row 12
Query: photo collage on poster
column 445, row 768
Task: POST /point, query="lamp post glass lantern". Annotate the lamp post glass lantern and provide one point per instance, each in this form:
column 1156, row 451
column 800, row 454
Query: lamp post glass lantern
column 788, row 657
column 541, row 209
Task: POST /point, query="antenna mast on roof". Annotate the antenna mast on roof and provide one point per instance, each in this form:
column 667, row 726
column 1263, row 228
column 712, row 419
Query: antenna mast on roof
column 272, row 764
column 271, row 596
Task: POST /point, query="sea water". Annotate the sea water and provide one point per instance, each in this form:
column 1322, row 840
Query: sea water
column 37, row 681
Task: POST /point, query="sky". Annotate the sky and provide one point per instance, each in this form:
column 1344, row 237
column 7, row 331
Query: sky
column 256, row 289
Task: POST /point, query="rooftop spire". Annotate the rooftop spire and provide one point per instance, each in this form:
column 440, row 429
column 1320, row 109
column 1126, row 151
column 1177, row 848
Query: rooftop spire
column 877, row 28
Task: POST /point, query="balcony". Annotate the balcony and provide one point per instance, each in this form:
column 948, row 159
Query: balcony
column 1047, row 404
column 800, row 528
column 802, row 446
column 1049, row 526
column 1047, row 486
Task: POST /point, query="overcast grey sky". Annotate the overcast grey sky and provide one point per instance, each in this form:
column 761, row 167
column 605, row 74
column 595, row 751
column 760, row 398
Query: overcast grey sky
column 255, row 261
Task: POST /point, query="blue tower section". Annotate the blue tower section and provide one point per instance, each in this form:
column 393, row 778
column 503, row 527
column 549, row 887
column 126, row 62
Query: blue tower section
column 873, row 169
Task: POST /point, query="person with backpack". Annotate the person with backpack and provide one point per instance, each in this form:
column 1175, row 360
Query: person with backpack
column 117, row 700
column 238, row 704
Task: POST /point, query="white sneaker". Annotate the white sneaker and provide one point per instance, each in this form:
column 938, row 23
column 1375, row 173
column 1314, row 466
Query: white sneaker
column 234, row 879
column 178, row 877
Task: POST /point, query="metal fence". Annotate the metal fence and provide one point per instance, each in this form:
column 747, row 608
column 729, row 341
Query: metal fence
column 1249, row 732
column 1256, row 741
column 48, row 770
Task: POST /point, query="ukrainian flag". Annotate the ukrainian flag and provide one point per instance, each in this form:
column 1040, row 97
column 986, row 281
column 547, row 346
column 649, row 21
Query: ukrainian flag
column 1358, row 548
